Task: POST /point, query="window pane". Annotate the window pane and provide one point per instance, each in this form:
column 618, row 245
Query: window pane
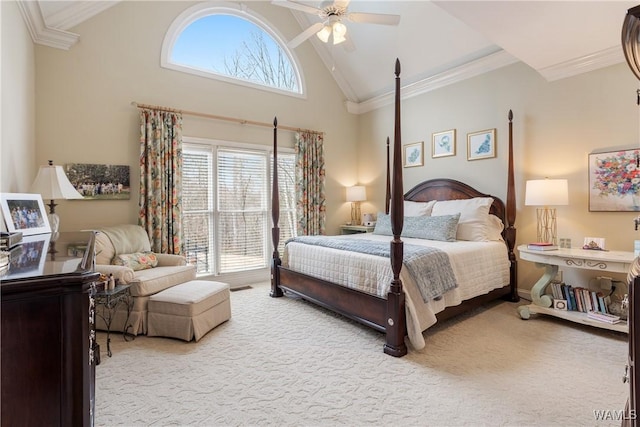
column 242, row 180
column 232, row 46
column 197, row 209
column 196, row 228
column 242, row 241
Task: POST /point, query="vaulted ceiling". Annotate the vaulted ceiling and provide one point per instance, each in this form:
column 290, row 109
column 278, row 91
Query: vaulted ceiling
column 438, row 42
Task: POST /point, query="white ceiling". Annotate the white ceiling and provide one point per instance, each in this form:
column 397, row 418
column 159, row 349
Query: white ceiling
column 437, row 42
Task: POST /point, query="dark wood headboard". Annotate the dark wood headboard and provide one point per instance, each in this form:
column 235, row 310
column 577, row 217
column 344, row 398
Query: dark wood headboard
column 450, row 189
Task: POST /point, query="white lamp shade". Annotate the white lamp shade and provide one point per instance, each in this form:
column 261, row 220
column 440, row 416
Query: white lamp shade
column 324, row 33
column 357, row 193
column 547, row 192
column 52, row 183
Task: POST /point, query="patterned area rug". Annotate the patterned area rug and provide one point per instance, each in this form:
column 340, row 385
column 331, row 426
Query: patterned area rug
column 284, row 362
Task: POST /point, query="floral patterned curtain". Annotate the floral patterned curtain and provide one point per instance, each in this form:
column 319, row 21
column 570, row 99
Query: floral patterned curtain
column 161, row 179
column 310, row 176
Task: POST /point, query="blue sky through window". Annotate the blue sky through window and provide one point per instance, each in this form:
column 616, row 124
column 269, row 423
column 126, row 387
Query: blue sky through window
column 206, row 42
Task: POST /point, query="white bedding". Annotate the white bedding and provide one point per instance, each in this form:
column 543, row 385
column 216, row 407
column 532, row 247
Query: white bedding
column 479, row 267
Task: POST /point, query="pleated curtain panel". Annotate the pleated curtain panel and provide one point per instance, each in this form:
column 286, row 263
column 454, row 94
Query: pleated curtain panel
column 160, row 200
column 310, row 183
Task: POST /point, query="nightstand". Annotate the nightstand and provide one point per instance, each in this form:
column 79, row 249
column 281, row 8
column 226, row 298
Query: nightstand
column 355, row 229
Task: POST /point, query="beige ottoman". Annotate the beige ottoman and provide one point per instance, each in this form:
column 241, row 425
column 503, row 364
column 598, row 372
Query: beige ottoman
column 188, row 310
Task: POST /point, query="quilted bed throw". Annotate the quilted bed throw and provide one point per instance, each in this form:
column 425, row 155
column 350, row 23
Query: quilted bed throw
column 429, row 267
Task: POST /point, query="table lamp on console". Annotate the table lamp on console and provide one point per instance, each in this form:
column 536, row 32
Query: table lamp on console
column 355, row 195
column 545, row 193
column 52, row 183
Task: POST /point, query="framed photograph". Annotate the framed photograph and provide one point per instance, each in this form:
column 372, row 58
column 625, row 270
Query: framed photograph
column 100, row 182
column 28, row 258
column 25, row 213
column 443, row 143
column 413, row 154
column 481, row 145
column 614, row 181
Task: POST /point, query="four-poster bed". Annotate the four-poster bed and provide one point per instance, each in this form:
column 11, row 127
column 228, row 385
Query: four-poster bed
column 398, row 310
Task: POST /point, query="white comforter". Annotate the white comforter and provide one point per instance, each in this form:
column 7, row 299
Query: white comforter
column 479, row 267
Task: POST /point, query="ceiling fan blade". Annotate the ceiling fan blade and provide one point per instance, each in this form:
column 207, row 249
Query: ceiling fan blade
column 342, row 3
column 297, row 40
column 297, row 6
column 374, row 18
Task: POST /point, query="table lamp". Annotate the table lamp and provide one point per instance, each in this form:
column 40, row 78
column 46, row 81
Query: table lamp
column 355, row 195
column 52, row 183
column 545, row 193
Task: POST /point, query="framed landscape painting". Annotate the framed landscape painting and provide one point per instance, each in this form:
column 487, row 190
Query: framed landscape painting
column 614, row 181
column 443, row 144
column 25, row 213
column 100, row 182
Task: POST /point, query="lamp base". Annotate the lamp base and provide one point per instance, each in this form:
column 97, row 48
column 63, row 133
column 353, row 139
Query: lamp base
column 356, row 217
column 54, row 222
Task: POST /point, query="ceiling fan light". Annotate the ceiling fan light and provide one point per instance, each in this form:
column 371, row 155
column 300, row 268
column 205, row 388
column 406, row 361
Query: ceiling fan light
column 339, row 29
column 324, row 33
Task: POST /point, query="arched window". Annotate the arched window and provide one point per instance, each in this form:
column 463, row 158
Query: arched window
column 228, row 42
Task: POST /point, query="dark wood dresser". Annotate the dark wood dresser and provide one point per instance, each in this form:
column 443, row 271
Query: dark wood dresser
column 633, row 373
column 48, row 347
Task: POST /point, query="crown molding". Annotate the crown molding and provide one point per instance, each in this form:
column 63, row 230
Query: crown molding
column 78, row 12
column 471, row 69
column 594, row 61
column 40, row 32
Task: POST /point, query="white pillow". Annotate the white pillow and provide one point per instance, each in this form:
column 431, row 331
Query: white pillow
column 494, row 228
column 474, row 216
column 418, row 208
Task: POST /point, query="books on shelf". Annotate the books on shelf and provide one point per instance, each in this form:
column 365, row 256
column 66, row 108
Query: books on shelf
column 603, row 317
column 581, row 299
column 541, row 246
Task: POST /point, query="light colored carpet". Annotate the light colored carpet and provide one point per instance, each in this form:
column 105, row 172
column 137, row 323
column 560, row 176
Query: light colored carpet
column 284, row 362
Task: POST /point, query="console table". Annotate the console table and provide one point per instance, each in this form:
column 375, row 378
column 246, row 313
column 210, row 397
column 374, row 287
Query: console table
column 609, row 261
column 109, row 300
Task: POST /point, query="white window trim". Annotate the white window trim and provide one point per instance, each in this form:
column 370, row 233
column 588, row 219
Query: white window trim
column 201, row 10
column 207, row 144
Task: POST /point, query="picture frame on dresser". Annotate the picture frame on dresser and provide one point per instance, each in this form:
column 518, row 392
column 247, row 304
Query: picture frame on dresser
column 443, row 143
column 481, row 144
column 24, row 212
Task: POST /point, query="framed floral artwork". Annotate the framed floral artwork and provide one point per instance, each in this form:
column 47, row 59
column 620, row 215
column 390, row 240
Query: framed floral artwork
column 413, row 155
column 443, row 143
column 614, row 181
column 481, row 145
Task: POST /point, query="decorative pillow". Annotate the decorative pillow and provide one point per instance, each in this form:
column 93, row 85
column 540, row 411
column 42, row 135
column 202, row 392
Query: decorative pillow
column 418, row 208
column 441, row 228
column 136, row 261
column 474, row 214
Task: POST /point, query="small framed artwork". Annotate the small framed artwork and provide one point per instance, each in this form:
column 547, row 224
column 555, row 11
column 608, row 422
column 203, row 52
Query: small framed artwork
column 481, row 145
column 99, row 181
column 413, row 154
column 614, row 181
column 443, row 143
column 25, row 213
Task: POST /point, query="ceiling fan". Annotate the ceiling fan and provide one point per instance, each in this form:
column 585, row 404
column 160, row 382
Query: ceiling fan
column 332, row 14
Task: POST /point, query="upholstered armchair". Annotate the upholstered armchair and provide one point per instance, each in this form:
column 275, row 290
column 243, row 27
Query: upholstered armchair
column 125, row 252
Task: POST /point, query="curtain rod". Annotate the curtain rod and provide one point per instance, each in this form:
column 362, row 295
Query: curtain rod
column 215, row 117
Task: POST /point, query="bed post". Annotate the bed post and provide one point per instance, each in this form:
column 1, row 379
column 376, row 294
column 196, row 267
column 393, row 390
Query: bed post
column 388, row 192
column 510, row 231
column 396, row 327
column 276, row 291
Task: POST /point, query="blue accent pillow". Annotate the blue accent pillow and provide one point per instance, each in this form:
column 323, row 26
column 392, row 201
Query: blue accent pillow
column 442, row 227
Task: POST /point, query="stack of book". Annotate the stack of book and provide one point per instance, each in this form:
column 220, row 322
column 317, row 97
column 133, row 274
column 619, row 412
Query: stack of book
column 542, row 246
column 9, row 240
column 603, row 317
column 580, row 299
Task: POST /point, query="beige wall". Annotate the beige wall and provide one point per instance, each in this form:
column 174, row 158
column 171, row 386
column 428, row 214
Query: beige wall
column 85, row 115
column 79, row 111
column 556, row 125
column 17, row 118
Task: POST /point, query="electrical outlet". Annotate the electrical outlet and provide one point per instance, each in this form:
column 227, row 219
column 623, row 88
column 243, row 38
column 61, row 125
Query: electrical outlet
column 558, row 278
